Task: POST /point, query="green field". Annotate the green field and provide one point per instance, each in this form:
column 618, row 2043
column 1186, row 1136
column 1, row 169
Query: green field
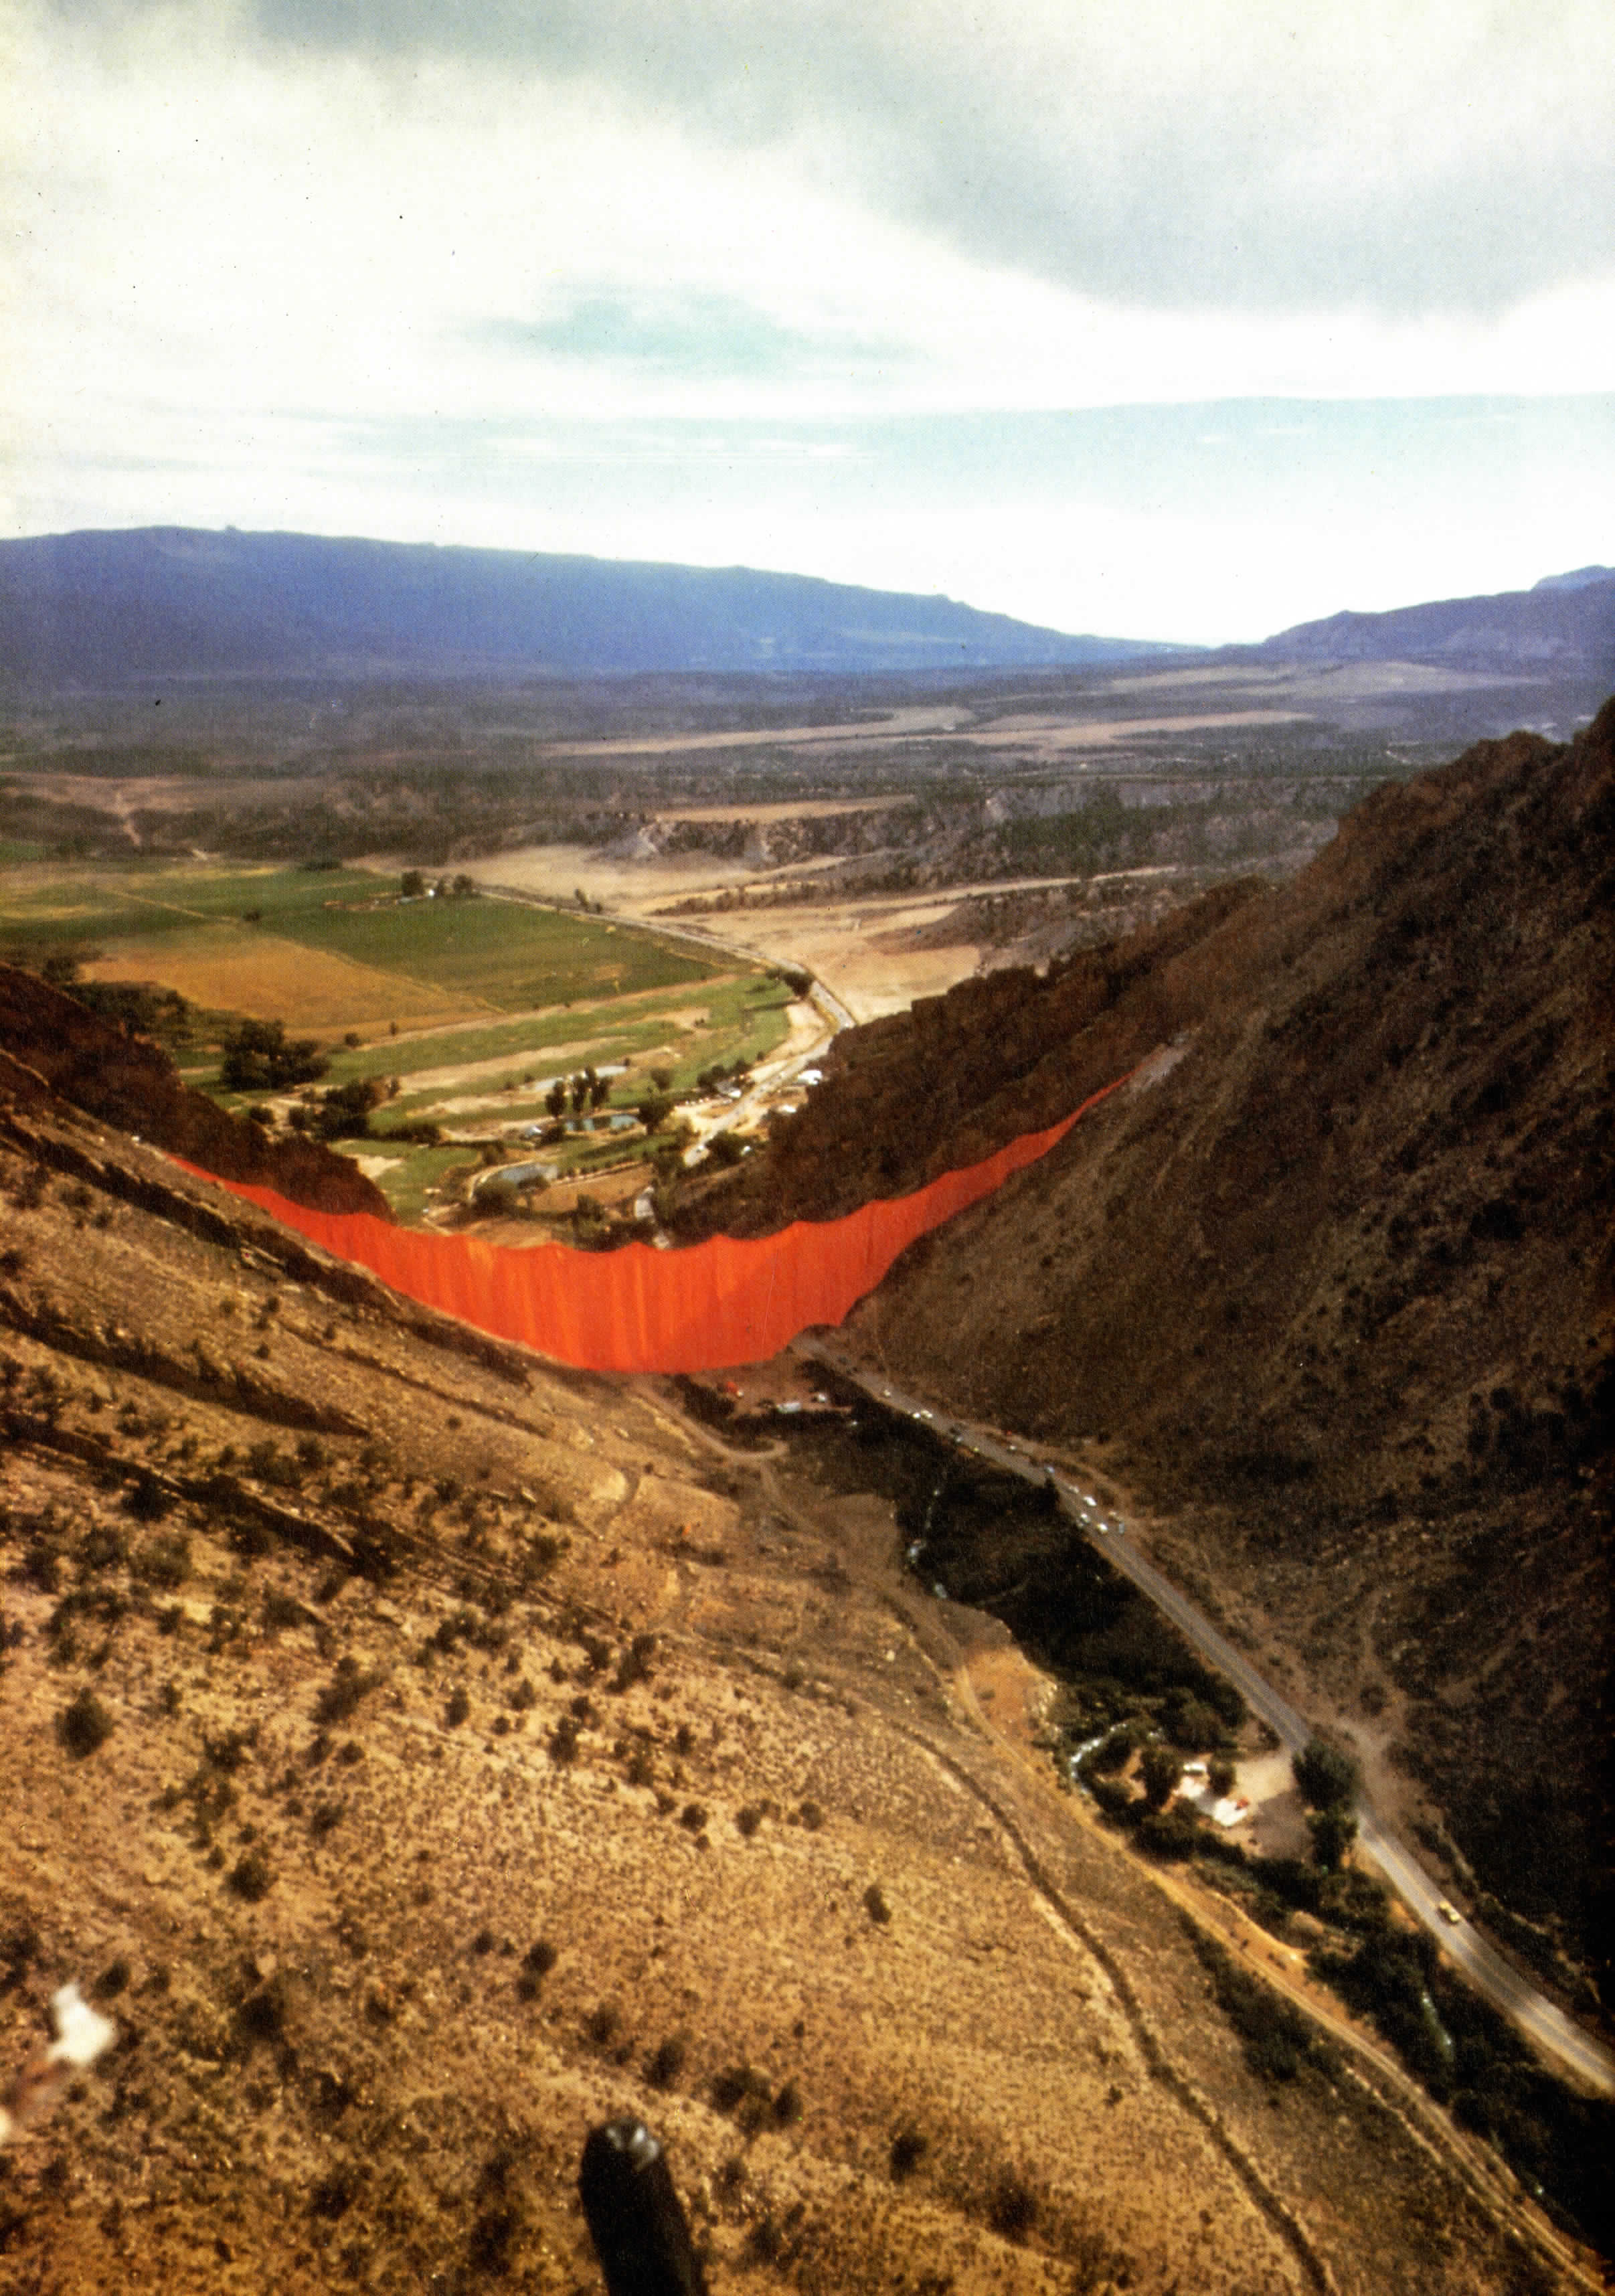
column 408, row 1185
column 743, row 1013
column 503, row 953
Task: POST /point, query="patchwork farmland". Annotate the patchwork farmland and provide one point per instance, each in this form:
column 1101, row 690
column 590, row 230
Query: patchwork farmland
column 456, row 1016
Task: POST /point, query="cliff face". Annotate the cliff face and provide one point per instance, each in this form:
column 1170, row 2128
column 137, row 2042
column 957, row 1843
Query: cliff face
column 1331, row 1281
column 49, row 1043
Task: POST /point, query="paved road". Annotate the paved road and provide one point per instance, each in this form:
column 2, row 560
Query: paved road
column 1554, row 2033
column 782, row 1074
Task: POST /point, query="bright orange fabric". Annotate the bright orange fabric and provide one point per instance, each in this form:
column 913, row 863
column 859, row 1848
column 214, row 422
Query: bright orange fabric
column 639, row 1309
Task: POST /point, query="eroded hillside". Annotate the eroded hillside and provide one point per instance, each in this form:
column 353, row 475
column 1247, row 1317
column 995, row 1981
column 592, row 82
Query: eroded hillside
column 1330, row 1283
column 52, row 1045
column 423, row 1754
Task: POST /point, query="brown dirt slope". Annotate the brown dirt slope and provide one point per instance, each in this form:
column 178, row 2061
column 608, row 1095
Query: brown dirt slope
column 1334, row 1284
column 49, row 1040
column 421, row 1758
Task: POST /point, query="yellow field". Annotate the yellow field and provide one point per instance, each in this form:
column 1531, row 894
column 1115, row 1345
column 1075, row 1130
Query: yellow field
column 242, row 969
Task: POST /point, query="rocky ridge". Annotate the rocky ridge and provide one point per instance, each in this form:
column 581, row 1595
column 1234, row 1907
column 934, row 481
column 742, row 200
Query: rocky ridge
column 1331, row 1283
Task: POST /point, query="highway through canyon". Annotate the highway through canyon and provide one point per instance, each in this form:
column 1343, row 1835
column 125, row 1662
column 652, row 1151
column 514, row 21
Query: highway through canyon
column 1557, row 2036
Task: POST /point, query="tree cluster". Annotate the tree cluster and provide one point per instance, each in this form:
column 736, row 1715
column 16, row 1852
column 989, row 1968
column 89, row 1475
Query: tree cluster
column 586, row 1090
column 709, row 1079
column 1328, row 1782
column 413, row 887
column 257, row 1057
column 344, row 1111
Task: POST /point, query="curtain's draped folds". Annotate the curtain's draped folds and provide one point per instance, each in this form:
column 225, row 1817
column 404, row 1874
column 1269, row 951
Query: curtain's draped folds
column 639, row 1309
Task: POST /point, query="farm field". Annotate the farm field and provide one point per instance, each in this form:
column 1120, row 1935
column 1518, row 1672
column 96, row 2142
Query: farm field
column 852, row 945
column 465, row 1010
column 479, row 954
column 487, row 1085
column 745, row 1011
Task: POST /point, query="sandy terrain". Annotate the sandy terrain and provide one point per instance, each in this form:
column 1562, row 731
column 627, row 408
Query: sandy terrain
column 630, row 887
column 1172, row 681
column 828, row 809
column 924, row 720
column 373, row 1166
column 833, row 940
column 1364, row 681
column 1048, row 732
column 1276, row 1826
column 157, row 793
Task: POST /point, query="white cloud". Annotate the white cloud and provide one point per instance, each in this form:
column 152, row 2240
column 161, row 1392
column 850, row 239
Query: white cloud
column 365, row 279
column 1403, row 154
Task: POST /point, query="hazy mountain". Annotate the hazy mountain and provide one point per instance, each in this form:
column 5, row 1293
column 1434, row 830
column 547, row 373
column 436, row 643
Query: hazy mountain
column 102, row 609
column 1580, row 580
column 1565, row 625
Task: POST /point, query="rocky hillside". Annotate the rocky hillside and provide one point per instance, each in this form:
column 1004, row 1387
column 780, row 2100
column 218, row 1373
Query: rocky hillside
column 52, row 1048
column 422, row 1755
column 955, row 1077
column 1331, row 1282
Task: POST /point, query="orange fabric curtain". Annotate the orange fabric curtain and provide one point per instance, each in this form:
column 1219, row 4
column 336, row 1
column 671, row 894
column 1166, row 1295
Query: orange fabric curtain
column 714, row 1304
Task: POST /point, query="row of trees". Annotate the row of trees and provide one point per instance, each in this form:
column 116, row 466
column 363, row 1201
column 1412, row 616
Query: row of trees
column 413, row 887
column 1328, row 1783
column 588, row 1090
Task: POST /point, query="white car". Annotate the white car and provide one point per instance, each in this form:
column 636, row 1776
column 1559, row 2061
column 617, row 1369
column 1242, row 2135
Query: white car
column 1449, row 1913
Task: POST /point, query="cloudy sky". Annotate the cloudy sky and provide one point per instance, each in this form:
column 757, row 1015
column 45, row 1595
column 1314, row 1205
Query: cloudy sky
column 1175, row 318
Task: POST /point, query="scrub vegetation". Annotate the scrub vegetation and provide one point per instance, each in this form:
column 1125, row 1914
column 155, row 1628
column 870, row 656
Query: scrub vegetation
column 412, row 1732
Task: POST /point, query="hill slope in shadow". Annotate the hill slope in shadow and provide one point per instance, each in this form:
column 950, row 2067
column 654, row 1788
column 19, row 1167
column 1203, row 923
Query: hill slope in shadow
column 1331, row 1284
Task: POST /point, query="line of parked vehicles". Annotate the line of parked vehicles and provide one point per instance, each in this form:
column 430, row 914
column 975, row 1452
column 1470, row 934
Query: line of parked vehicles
column 1087, row 1503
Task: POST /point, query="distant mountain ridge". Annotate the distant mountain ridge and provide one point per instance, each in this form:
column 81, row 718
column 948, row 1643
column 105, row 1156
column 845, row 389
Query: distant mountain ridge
column 1565, row 625
column 100, row 610
column 1578, row 580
